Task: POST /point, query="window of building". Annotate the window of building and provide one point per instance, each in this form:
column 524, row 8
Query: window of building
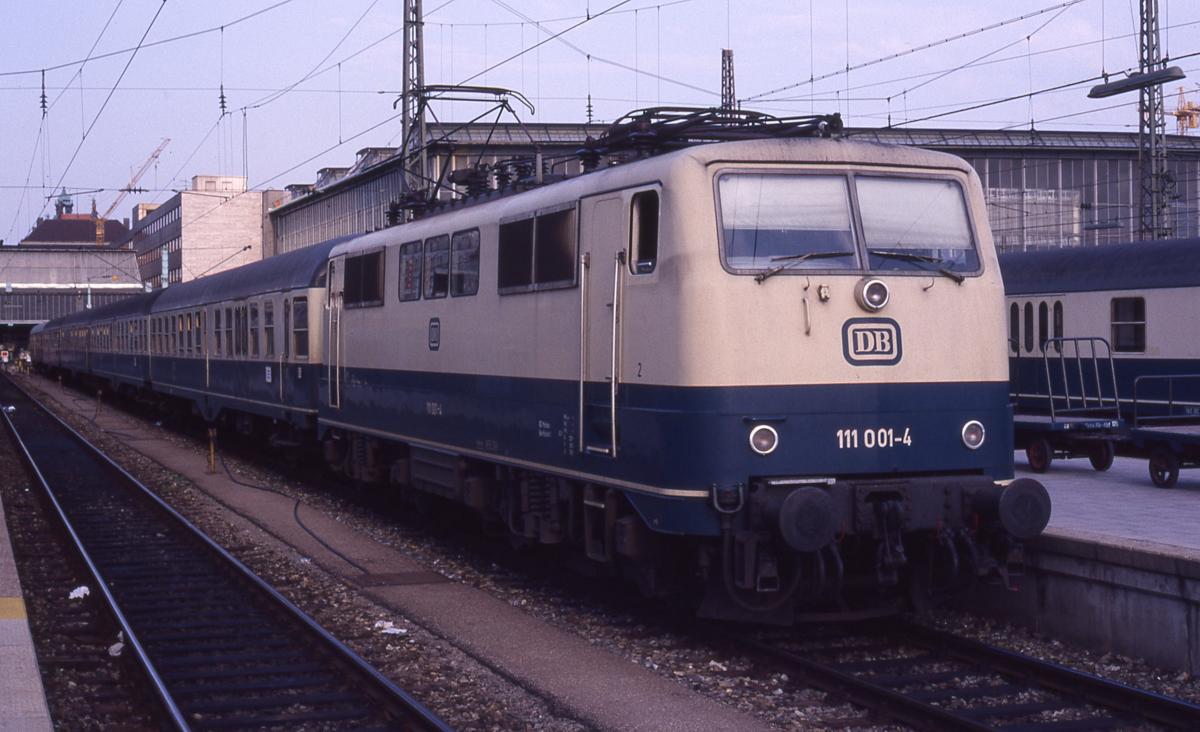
column 1129, row 324
column 363, row 283
column 1028, row 327
column 643, row 232
column 300, row 327
column 464, row 263
column 410, row 271
column 437, row 266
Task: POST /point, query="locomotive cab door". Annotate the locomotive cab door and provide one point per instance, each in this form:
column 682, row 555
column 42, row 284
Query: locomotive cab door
column 333, row 332
column 601, row 263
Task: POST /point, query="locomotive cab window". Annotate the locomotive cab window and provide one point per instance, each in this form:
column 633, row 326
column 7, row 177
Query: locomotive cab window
column 794, row 222
column 1129, row 324
column 643, row 232
column 364, row 280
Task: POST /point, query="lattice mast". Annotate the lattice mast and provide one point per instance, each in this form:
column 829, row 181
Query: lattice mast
column 728, row 97
column 1156, row 184
column 412, row 110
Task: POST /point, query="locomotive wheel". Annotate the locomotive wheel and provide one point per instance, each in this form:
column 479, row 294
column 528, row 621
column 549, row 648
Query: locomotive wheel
column 1164, row 468
column 1101, row 455
column 1039, row 455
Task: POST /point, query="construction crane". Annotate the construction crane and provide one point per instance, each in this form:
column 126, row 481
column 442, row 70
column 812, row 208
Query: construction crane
column 128, row 188
column 1187, row 115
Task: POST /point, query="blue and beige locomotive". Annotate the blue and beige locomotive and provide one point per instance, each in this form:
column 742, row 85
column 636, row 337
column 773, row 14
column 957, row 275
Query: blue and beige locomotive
column 763, row 369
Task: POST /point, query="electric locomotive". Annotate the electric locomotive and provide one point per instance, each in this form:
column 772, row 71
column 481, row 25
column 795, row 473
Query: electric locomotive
column 761, row 367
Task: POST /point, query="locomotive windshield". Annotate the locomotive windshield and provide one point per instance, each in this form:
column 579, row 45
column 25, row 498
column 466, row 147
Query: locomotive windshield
column 773, row 222
column 772, row 219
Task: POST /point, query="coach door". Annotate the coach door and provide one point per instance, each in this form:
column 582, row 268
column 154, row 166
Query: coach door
column 601, row 263
column 333, row 331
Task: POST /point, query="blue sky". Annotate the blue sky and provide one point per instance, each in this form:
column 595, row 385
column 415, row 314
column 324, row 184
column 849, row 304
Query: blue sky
column 642, row 53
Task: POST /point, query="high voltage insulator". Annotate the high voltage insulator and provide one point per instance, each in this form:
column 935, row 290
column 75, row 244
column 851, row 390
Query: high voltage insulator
column 44, row 107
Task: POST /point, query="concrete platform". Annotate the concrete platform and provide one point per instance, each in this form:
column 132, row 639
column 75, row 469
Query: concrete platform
column 22, row 699
column 1118, row 568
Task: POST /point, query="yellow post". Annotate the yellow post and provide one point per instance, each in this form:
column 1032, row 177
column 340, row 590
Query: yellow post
column 212, row 450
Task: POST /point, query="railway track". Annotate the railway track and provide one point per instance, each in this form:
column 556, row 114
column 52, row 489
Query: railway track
column 223, row 650
column 935, row 680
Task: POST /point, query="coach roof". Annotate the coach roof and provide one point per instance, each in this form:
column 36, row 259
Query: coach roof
column 294, row 270
column 1136, row 266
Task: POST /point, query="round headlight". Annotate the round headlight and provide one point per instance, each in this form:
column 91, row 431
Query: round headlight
column 973, row 434
column 764, row 439
column 872, row 295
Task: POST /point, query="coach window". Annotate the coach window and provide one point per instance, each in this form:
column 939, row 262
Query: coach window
column 254, row 330
column 1129, row 324
column 363, row 286
column 228, row 331
column 1014, row 328
column 1043, row 324
column 187, row 335
column 410, row 271
column 287, row 328
column 1058, row 325
column 464, row 263
column 300, row 327
column 268, row 328
column 1028, row 327
column 437, row 266
column 643, row 232
column 217, row 331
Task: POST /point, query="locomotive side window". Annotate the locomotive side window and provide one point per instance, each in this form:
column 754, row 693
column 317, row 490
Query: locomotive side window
column 437, row 266
column 643, row 232
column 1014, row 328
column 554, row 248
column 364, row 280
column 516, row 255
column 300, row 327
column 464, row 263
column 1043, row 324
column 1028, row 327
column 537, row 253
column 410, row 271
column 1129, row 324
column 796, row 222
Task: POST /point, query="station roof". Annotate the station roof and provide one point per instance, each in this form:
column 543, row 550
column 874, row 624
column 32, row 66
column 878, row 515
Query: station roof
column 1143, row 265
column 74, row 229
column 31, row 267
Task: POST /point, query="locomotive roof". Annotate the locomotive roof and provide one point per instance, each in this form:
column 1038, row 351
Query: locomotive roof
column 819, row 151
column 298, row 269
column 1141, row 265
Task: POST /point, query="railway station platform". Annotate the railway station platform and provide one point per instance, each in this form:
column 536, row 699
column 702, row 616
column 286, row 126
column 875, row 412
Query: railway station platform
column 22, row 699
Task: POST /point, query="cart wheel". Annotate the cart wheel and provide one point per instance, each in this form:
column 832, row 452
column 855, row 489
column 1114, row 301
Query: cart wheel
column 1101, row 455
column 1164, row 468
column 1039, row 455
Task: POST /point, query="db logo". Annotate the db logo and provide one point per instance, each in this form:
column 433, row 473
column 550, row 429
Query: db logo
column 871, row 341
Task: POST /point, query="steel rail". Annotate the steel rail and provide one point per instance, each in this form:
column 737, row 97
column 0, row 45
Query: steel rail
column 383, row 690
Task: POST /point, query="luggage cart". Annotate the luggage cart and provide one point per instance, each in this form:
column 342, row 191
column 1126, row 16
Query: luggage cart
column 1081, row 416
column 1164, row 431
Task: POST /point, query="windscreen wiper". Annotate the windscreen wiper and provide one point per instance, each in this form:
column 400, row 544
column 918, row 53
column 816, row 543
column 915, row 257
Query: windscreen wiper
column 794, row 259
column 920, row 258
